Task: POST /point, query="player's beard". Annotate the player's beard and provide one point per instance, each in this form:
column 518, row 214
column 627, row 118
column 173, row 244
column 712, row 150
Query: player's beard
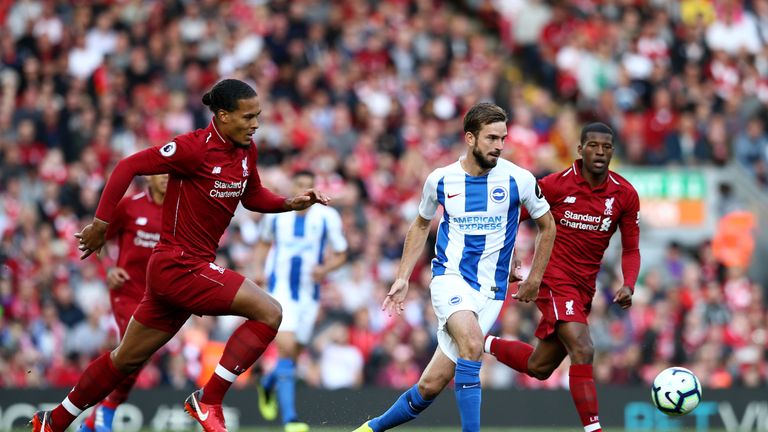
column 481, row 160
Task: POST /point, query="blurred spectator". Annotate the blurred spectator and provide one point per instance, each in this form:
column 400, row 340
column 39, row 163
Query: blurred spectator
column 341, row 364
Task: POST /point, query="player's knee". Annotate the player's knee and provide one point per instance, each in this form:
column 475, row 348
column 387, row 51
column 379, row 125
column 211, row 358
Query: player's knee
column 582, row 354
column 431, row 386
column 471, row 350
column 126, row 363
column 274, row 315
column 541, row 373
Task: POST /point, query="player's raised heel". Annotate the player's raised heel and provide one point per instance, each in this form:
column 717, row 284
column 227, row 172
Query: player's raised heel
column 210, row 417
column 41, row 422
column 364, row 428
column 267, row 403
column 296, row 426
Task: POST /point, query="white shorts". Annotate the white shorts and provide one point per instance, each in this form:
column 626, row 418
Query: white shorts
column 451, row 294
column 299, row 316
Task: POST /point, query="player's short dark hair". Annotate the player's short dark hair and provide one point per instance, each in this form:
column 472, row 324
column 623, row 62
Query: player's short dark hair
column 482, row 114
column 597, row 127
column 225, row 94
column 304, row 173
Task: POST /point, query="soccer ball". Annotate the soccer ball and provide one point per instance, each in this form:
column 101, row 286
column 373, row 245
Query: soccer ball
column 676, row 391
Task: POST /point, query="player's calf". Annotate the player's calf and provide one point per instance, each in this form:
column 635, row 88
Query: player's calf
column 541, row 371
column 431, row 384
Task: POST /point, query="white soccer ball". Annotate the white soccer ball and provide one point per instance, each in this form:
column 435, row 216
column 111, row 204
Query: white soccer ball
column 676, row 391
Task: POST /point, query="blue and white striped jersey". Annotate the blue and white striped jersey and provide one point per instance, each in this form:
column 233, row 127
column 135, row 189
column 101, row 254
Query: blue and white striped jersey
column 298, row 244
column 477, row 234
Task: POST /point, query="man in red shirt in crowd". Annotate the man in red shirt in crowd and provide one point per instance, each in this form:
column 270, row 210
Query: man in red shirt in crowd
column 589, row 202
column 212, row 171
column 135, row 227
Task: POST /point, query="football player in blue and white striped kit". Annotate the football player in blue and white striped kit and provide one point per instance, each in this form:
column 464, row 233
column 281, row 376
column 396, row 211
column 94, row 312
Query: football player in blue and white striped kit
column 296, row 264
column 481, row 196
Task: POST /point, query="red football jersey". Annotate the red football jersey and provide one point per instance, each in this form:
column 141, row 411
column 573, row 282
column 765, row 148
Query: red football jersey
column 208, row 178
column 136, row 228
column 586, row 219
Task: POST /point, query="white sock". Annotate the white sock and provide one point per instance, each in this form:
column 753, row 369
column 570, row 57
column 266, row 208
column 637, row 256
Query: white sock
column 70, row 407
column 591, row 428
column 487, row 347
column 225, row 374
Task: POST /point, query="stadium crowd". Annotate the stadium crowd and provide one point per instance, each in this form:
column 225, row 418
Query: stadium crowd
column 370, row 95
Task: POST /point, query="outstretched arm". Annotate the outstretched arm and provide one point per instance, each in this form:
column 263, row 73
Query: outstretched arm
column 630, row 255
column 260, row 199
column 334, row 261
column 259, row 261
column 414, row 246
column 528, row 290
column 153, row 160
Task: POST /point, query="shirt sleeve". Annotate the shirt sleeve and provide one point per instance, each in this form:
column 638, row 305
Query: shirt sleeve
column 429, row 202
column 532, row 197
column 180, row 157
column 629, row 224
column 335, row 232
column 260, row 199
column 118, row 220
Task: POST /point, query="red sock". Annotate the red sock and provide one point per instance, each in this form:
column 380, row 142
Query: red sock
column 120, row 394
column 98, row 379
column 585, row 396
column 243, row 348
column 514, row 354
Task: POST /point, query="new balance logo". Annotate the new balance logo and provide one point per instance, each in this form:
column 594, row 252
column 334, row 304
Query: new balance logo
column 570, row 200
column 216, row 170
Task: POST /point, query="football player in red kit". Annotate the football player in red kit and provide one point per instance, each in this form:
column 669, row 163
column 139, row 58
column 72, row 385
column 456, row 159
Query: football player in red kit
column 589, row 202
column 211, row 171
column 135, row 228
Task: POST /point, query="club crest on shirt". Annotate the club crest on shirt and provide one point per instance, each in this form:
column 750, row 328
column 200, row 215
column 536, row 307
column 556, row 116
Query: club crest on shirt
column 169, row 149
column 498, row 194
column 245, row 166
column 455, row 300
column 569, row 308
column 608, row 206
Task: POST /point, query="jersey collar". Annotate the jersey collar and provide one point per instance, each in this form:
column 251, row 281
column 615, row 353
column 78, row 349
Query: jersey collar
column 579, row 179
column 214, row 133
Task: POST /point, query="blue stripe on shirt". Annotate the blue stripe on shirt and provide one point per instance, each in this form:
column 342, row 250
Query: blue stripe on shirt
column 505, row 254
column 438, row 264
column 271, row 282
column 295, row 277
column 272, row 277
column 298, row 225
column 475, row 193
column 321, row 257
column 474, row 245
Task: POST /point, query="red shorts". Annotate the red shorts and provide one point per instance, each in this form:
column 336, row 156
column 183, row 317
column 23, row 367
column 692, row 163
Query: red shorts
column 564, row 303
column 123, row 307
column 180, row 285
